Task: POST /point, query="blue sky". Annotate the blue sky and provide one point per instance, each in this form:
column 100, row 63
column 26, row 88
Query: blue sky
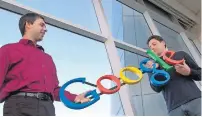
column 80, row 12
column 75, row 56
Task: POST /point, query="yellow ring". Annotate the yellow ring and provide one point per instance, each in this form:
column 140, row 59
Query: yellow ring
column 135, row 71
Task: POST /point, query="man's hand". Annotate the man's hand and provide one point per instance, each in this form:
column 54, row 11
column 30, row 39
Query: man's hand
column 150, row 63
column 183, row 69
column 81, row 98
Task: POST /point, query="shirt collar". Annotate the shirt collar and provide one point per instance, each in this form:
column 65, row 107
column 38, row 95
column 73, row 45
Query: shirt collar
column 29, row 42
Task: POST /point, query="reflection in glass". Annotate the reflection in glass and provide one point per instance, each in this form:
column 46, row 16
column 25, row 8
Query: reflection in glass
column 126, row 24
column 173, row 39
column 136, row 30
column 79, row 12
column 116, row 105
column 120, row 112
column 9, row 27
column 121, row 56
column 154, row 105
column 113, row 12
column 195, row 47
column 197, row 44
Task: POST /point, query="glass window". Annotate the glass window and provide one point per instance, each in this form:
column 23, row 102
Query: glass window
column 79, row 12
column 121, row 56
column 137, row 105
column 9, row 25
column 154, row 105
column 195, row 47
column 75, row 56
column 136, row 30
column 120, row 112
column 126, row 24
column 197, row 44
column 116, row 105
column 129, row 30
column 127, row 10
column 113, row 12
column 142, row 30
column 172, row 38
column 107, row 7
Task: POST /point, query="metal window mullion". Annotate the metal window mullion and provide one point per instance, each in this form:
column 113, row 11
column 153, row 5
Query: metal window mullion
column 191, row 48
column 113, row 56
column 151, row 24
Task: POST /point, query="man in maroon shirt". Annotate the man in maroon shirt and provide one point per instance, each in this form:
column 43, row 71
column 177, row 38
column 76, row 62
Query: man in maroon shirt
column 28, row 77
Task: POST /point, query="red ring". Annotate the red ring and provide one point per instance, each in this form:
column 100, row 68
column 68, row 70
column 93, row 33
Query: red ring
column 171, row 61
column 109, row 77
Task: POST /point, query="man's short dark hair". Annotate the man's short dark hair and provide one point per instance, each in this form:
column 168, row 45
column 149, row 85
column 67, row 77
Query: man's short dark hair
column 156, row 37
column 29, row 18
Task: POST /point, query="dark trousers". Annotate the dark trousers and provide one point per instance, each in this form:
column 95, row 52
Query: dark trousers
column 191, row 108
column 27, row 106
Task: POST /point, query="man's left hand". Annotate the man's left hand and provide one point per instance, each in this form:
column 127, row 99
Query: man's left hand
column 183, row 69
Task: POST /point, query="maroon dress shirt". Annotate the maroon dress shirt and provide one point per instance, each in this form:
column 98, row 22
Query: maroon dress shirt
column 27, row 68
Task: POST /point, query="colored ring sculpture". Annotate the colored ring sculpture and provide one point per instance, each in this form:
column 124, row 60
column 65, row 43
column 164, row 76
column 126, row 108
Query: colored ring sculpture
column 135, row 71
column 109, row 77
column 73, row 105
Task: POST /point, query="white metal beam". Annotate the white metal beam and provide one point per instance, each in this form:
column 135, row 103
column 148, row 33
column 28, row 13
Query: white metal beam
column 191, row 48
column 151, row 24
column 113, row 56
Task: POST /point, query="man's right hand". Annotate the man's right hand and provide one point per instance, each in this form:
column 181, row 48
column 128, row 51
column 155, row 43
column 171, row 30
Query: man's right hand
column 150, row 63
column 81, row 98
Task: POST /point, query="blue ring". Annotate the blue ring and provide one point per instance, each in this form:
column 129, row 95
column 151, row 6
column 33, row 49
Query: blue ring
column 160, row 83
column 145, row 69
column 74, row 105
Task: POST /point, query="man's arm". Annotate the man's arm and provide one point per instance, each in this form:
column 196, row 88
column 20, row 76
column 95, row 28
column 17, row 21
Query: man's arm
column 195, row 73
column 4, row 64
column 69, row 95
column 56, row 96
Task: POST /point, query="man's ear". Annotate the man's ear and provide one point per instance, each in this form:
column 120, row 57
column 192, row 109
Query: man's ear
column 163, row 42
column 27, row 26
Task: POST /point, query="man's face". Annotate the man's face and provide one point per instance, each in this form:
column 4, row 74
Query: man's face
column 156, row 46
column 38, row 29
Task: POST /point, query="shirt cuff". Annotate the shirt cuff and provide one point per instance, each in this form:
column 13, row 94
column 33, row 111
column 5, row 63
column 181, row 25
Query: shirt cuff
column 193, row 72
column 70, row 96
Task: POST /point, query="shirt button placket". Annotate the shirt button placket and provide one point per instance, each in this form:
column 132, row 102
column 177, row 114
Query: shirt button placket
column 44, row 78
column 45, row 81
